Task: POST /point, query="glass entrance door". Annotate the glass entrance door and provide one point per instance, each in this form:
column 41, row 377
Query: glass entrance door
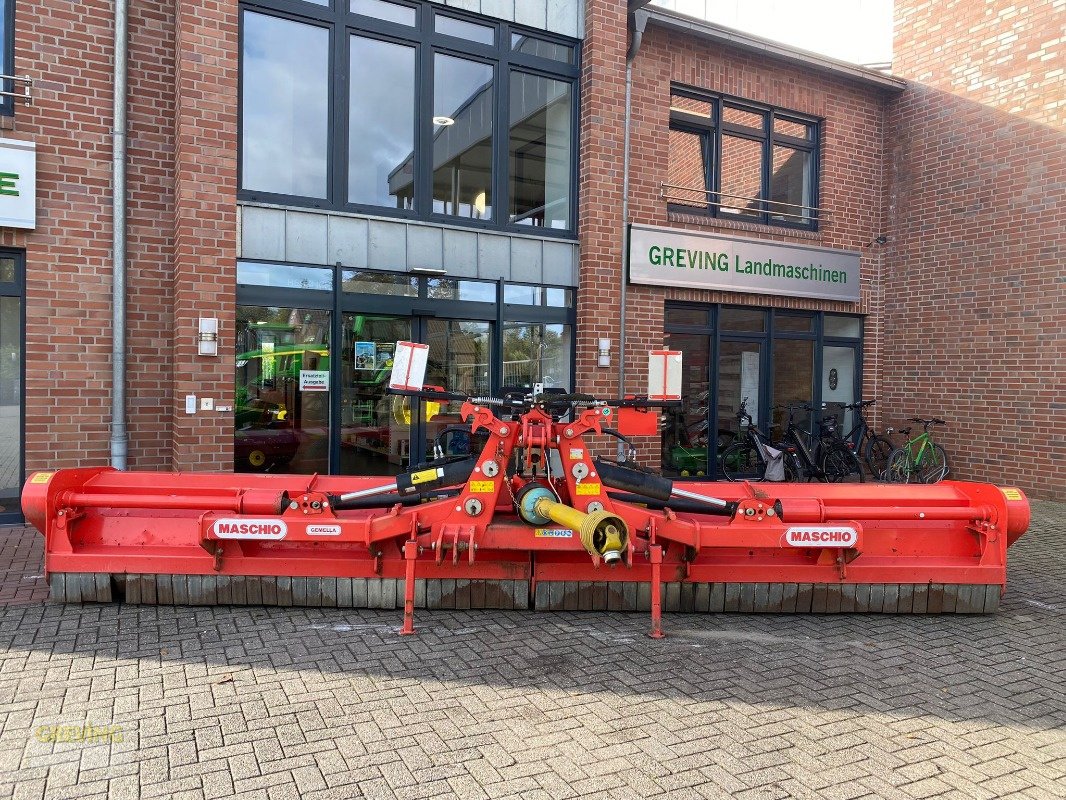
column 378, row 428
column 10, row 404
column 375, row 427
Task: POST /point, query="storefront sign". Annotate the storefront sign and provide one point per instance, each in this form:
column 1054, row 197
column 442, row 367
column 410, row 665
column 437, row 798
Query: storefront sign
column 314, row 380
column 670, row 257
column 18, row 184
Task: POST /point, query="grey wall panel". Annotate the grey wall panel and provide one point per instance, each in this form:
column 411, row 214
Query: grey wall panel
column 305, row 237
column 526, row 260
column 493, row 256
column 560, row 264
column 466, row 5
column 566, row 17
column 501, row 9
column 460, row 253
column 347, row 241
column 388, row 245
column 325, row 238
column 533, row 13
column 262, row 233
column 425, row 247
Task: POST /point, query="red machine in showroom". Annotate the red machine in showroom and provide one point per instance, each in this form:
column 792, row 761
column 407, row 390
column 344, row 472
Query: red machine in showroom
column 535, row 520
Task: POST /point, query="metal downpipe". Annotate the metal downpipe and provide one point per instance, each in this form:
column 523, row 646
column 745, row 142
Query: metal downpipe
column 638, row 19
column 119, row 435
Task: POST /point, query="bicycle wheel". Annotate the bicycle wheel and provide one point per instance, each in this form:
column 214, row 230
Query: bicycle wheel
column 878, row 449
column 741, row 462
column 900, row 468
column 933, row 465
column 840, row 464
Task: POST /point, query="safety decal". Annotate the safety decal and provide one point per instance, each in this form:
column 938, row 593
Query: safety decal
column 482, row 487
column 424, row 476
column 588, row 488
column 42, row 477
column 1012, row 494
column 553, row 533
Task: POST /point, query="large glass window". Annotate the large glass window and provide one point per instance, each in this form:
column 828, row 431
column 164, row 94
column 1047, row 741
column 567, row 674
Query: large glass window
column 540, row 148
column 381, row 125
column 284, row 106
column 281, row 413
column 7, row 54
column 11, row 385
column 450, row 116
column 462, row 137
column 762, row 359
column 312, row 364
column 736, row 160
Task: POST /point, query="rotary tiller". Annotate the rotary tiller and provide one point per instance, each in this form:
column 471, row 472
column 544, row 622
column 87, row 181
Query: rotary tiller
column 534, row 521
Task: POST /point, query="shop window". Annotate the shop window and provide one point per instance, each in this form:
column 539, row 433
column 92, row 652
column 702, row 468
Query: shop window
column 312, row 364
column 450, row 117
column 736, row 160
column 281, row 408
column 12, row 348
column 761, row 359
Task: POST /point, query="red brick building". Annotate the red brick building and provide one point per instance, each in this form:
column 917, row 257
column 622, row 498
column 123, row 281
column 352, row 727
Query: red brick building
column 318, row 180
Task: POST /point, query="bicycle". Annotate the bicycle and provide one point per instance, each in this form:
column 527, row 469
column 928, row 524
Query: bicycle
column 831, row 459
column 920, row 460
column 745, row 459
column 875, row 448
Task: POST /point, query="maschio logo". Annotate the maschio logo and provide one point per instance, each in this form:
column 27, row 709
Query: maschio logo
column 323, row 530
column 249, row 529
column 822, row 536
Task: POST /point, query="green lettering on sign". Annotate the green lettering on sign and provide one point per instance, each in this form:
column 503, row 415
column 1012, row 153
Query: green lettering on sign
column 8, row 186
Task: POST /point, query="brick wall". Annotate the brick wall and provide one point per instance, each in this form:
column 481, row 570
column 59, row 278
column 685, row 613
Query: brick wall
column 181, row 229
column 67, row 50
column 851, row 174
column 975, row 307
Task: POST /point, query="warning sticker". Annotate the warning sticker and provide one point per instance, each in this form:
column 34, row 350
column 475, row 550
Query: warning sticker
column 588, row 488
column 1010, row 494
column 424, row 476
column 576, row 453
column 553, row 533
column 42, row 477
column 482, row 487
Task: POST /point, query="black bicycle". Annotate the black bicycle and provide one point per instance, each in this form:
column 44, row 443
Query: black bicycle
column 875, row 449
column 748, row 458
column 828, row 458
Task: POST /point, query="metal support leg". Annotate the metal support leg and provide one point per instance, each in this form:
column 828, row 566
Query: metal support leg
column 410, row 554
column 655, row 555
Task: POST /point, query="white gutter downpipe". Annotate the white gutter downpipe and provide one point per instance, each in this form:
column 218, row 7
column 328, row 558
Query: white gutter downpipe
column 119, row 436
column 638, row 19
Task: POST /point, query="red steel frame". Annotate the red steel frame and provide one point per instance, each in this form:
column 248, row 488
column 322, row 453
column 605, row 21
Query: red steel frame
column 100, row 520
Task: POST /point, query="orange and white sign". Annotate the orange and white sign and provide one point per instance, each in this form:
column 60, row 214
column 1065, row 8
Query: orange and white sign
column 409, row 366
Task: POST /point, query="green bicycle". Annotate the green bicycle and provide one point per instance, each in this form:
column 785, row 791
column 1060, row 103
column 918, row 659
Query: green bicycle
column 920, row 460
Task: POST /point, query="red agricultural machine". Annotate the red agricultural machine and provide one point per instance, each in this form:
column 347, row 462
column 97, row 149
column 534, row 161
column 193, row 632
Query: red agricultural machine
column 534, row 521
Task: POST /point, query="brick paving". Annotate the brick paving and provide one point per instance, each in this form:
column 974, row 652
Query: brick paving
column 320, row 703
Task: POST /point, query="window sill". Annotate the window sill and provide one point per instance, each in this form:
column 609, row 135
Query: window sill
column 736, row 225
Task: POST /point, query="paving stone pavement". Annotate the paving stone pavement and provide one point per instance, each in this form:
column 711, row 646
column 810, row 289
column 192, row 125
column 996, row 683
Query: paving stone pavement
column 326, row 703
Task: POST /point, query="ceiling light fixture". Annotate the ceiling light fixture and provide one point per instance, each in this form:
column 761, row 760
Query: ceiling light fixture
column 445, row 121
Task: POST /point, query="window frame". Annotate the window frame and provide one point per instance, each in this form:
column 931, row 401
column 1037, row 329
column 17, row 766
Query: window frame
column 7, row 103
column 426, row 41
column 714, row 128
